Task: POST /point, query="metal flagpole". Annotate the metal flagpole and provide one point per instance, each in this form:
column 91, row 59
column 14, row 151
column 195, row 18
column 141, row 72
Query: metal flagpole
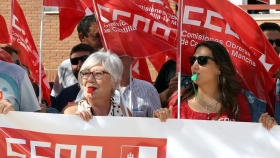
column 130, row 86
column 40, row 61
column 180, row 52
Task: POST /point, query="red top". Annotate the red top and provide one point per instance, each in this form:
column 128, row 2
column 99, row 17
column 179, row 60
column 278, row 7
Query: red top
column 188, row 113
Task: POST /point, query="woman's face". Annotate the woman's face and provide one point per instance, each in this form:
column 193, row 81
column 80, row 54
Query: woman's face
column 101, row 87
column 207, row 73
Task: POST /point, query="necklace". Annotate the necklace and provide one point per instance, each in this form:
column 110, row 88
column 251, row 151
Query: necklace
column 215, row 102
column 112, row 106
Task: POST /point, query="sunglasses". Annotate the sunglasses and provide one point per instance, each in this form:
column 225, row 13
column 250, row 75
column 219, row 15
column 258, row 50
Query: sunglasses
column 202, row 60
column 277, row 42
column 17, row 62
column 75, row 61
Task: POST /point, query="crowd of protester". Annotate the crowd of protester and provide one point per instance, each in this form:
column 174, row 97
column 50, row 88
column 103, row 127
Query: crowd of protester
column 94, row 82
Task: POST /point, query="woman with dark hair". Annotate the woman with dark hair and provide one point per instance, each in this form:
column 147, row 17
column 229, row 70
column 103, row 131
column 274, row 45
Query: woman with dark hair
column 216, row 93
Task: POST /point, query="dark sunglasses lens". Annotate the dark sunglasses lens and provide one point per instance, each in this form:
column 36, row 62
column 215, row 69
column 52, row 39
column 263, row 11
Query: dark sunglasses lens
column 271, row 42
column 75, row 61
column 17, row 62
column 202, row 60
column 192, row 60
column 277, row 42
column 83, row 58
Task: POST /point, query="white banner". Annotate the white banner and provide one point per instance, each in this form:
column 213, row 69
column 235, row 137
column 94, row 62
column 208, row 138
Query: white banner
column 38, row 135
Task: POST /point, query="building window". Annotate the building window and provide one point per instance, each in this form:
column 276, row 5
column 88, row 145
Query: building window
column 51, row 10
column 274, row 2
column 257, row 11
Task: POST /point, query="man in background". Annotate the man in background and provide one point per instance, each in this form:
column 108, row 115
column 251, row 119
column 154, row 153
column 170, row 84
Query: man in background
column 88, row 34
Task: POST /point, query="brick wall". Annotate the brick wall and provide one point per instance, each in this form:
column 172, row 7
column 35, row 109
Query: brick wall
column 54, row 50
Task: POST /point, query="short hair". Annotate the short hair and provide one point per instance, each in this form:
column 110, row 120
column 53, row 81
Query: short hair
column 82, row 48
column 111, row 63
column 84, row 24
column 270, row 26
column 9, row 49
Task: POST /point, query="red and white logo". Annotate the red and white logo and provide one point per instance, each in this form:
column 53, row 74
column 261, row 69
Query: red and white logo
column 139, row 152
column 24, row 143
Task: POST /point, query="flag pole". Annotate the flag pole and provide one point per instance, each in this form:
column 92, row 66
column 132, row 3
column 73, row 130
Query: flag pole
column 180, row 52
column 40, row 61
column 130, row 87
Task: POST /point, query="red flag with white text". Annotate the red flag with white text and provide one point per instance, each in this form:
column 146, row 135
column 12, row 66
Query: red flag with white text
column 22, row 40
column 4, row 33
column 223, row 22
column 140, row 70
column 159, row 9
column 130, row 30
column 88, row 6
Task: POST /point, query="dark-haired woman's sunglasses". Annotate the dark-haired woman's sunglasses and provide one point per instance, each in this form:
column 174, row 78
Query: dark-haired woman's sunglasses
column 75, row 61
column 277, row 42
column 202, row 60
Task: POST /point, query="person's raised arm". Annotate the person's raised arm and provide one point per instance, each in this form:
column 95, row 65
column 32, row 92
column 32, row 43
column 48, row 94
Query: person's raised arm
column 173, row 86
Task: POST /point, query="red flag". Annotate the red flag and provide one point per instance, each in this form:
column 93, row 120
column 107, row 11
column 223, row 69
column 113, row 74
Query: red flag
column 221, row 21
column 159, row 9
column 264, row 1
column 68, row 20
column 70, row 14
column 73, row 4
column 88, row 6
column 4, row 34
column 250, row 34
column 22, row 40
column 4, row 56
column 140, row 70
column 129, row 30
column 158, row 60
column 70, row 17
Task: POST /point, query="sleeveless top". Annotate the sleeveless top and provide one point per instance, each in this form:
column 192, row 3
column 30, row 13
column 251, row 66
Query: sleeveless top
column 115, row 109
column 188, row 113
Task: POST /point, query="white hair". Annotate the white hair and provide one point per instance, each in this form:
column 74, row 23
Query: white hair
column 110, row 62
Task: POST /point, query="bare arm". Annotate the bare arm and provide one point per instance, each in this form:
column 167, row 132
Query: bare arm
column 70, row 109
column 173, row 86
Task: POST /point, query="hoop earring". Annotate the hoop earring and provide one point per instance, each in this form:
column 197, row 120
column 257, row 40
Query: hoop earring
column 218, row 78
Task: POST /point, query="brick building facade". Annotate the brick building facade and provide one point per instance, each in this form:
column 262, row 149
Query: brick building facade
column 54, row 50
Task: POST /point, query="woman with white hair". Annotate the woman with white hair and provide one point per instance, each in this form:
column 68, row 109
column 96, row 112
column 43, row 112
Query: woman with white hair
column 100, row 75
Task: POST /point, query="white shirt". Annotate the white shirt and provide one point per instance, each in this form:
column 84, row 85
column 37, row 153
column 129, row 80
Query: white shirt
column 64, row 77
column 144, row 97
